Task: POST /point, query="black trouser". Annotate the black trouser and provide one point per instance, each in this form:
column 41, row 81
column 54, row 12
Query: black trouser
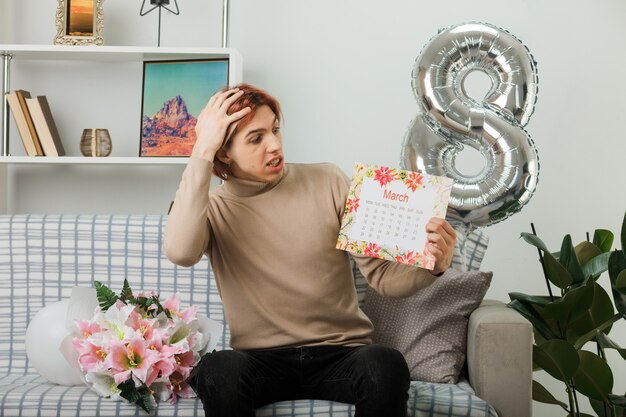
column 233, row 383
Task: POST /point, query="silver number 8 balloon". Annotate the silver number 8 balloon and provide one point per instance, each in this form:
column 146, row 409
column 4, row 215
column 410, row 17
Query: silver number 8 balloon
column 449, row 119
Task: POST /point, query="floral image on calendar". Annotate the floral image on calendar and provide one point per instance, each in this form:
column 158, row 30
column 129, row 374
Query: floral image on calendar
column 387, row 210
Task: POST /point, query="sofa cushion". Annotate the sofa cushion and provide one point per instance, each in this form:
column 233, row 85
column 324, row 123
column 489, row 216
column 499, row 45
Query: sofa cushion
column 30, row 395
column 430, row 327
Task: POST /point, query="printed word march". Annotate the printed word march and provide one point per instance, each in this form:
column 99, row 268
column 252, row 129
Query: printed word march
column 390, row 195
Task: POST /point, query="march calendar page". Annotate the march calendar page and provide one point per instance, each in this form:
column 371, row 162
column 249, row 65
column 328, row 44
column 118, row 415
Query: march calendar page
column 387, row 210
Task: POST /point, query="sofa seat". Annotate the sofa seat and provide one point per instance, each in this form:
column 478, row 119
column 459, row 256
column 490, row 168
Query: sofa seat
column 31, row 395
column 42, row 257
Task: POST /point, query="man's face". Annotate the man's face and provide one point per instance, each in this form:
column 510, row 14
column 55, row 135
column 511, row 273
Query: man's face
column 256, row 152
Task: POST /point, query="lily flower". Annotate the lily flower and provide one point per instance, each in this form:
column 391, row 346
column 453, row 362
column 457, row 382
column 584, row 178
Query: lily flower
column 115, row 319
column 104, row 385
column 90, row 356
column 185, row 363
column 173, row 305
column 180, row 388
column 87, row 328
column 130, row 357
column 140, row 324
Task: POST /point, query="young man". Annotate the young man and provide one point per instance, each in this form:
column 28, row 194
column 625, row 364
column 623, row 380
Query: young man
column 270, row 233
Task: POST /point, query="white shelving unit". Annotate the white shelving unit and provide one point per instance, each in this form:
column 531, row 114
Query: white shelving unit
column 118, row 53
column 43, row 184
column 11, row 53
column 82, row 160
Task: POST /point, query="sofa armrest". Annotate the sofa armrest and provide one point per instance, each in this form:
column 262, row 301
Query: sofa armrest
column 499, row 358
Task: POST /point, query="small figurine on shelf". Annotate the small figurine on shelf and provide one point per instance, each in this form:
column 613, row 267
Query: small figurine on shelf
column 95, row 142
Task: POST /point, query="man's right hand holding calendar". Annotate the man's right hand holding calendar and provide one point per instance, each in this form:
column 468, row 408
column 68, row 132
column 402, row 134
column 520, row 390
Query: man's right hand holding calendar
column 441, row 241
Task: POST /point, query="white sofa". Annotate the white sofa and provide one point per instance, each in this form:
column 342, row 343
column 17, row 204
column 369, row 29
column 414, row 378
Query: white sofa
column 42, row 257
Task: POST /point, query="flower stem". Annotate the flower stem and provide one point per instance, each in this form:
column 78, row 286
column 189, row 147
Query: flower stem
column 575, row 399
column 572, row 411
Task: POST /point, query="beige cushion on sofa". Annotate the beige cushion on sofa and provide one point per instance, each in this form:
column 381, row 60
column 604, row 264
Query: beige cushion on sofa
column 430, row 327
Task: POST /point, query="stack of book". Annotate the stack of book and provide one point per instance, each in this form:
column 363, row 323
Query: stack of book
column 35, row 124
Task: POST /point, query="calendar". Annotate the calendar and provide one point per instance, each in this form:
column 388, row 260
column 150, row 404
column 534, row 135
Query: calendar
column 387, row 210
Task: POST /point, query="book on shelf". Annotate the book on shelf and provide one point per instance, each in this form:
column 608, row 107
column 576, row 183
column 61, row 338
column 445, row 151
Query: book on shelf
column 47, row 132
column 386, row 213
column 22, row 125
column 22, row 95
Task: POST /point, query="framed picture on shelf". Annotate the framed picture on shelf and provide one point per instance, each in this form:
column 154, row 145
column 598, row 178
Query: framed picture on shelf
column 173, row 94
column 79, row 22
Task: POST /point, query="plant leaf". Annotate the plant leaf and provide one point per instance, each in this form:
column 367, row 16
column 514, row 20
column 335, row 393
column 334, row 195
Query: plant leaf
column 617, row 264
column 603, row 239
column 594, row 377
column 106, row 297
column 126, row 387
column 601, row 311
column 585, row 251
column 597, row 265
column 569, row 260
column 140, row 396
column 593, row 333
column 607, row 343
column 557, row 357
column 534, row 240
column 540, row 300
column 574, row 304
column 618, row 400
column 556, row 273
column 620, row 282
column 620, row 404
column 160, row 308
column 541, row 394
column 601, row 408
column 145, row 400
column 534, row 318
column 127, row 293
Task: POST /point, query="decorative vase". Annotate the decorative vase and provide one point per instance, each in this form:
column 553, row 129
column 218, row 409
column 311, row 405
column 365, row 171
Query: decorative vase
column 44, row 336
column 95, row 142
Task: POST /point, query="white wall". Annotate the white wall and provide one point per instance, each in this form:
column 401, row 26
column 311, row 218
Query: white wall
column 342, row 70
column 6, row 23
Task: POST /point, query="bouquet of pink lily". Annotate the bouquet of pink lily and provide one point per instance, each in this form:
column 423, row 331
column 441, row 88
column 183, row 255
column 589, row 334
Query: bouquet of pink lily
column 138, row 348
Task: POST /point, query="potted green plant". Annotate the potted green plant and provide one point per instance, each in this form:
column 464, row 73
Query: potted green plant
column 572, row 323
